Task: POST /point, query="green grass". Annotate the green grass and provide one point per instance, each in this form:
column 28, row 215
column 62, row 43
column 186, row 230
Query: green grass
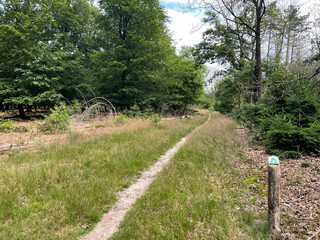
column 52, row 194
column 199, row 195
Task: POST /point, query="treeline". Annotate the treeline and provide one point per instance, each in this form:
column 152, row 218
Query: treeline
column 51, row 50
column 271, row 78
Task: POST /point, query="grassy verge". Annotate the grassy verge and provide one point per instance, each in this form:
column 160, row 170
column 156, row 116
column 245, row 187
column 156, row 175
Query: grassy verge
column 199, row 195
column 60, row 192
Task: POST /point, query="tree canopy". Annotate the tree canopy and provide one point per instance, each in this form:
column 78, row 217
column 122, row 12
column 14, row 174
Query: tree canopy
column 120, row 50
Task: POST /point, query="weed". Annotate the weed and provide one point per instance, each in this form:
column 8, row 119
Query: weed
column 76, row 107
column 6, row 125
column 121, row 119
column 58, row 120
column 315, row 165
column 21, row 129
column 305, row 164
column 155, row 119
column 296, row 180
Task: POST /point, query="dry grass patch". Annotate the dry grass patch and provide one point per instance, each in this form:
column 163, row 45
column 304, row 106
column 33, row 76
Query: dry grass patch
column 61, row 191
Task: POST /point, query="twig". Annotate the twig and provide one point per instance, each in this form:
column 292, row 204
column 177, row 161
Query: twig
column 314, row 235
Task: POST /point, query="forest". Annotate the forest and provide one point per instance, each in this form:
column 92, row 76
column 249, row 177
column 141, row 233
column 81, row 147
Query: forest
column 74, row 50
column 62, row 50
column 270, row 52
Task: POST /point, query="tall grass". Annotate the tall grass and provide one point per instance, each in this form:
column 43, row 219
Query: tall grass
column 198, row 195
column 61, row 192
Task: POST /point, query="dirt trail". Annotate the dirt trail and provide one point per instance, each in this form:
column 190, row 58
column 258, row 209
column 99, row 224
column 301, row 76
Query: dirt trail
column 110, row 221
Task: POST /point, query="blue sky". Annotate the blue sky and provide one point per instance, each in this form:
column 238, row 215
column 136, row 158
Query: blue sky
column 182, row 24
column 172, row 5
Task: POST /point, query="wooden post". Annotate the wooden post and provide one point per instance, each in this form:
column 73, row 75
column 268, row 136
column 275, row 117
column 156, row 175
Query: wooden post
column 274, row 194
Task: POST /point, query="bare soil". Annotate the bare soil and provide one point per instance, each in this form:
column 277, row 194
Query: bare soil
column 300, row 189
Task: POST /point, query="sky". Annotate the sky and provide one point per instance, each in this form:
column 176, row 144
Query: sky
column 184, row 25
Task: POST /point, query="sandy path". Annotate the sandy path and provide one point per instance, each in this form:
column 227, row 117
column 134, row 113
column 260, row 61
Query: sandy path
column 110, row 221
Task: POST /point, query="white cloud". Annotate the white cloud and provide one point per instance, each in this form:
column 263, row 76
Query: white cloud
column 177, row 1
column 183, row 26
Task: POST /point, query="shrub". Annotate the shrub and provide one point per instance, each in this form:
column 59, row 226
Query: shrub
column 6, row 125
column 133, row 112
column 58, row 120
column 121, row 119
column 155, row 119
column 249, row 115
column 76, row 107
column 312, row 137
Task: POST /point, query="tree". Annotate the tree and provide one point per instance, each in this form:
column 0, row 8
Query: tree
column 21, row 25
column 33, row 33
column 132, row 35
column 237, row 12
column 187, row 79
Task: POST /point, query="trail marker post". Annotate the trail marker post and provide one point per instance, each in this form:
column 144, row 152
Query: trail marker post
column 274, row 194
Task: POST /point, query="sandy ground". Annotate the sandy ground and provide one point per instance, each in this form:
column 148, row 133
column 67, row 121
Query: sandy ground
column 13, row 139
column 110, row 221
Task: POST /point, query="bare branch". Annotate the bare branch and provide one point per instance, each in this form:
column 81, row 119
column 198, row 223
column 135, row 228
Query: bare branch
column 236, row 17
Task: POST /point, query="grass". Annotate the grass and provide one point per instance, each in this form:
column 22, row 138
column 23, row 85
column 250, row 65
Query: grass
column 60, row 191
column 199, row 195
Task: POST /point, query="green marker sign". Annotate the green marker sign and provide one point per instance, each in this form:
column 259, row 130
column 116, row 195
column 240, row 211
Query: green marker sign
column 273, row 160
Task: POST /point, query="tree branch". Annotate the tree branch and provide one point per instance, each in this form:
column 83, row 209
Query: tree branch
column 236, row 17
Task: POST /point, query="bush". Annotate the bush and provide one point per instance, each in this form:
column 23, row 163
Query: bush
column 284, row 136
column 136, row 111
column 58, row 120
column 249, row 115
column 121, row 119
column 76, row 107
column 6, row 125
column 155, row 119
column 312, row 137
column 133, row 112
column 287, row 154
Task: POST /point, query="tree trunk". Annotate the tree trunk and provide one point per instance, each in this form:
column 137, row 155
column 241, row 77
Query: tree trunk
column 269, row 44
column 257, row 69
column 184, row 109
column 1, row 107
column 123, row 78
column 22, row 114
column 292, row 51
column 29, row 108
column 288, row 48
column 278, row 54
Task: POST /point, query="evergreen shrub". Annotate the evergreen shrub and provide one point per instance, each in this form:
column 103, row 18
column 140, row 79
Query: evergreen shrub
column 286, row 119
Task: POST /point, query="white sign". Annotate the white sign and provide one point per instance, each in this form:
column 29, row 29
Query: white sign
column 273, row 160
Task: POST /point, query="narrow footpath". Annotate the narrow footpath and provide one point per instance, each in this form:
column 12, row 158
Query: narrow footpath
column 111, row 221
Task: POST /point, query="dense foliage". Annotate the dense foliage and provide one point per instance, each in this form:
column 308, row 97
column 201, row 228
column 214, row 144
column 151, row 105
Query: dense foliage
column 119, row 50
column 286, row 116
